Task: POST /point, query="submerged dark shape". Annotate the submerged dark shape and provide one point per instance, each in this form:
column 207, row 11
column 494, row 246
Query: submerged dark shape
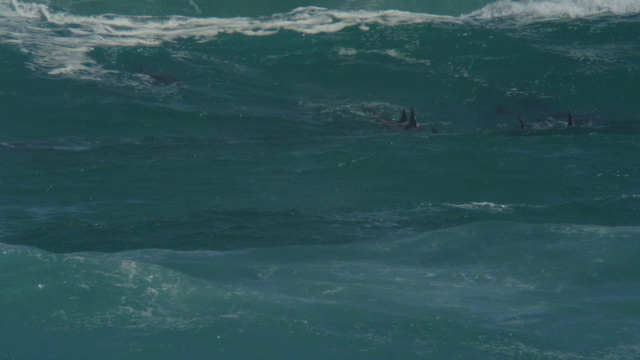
column 158, row 78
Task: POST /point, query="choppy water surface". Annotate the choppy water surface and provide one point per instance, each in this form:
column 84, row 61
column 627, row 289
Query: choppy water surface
column 183, row 179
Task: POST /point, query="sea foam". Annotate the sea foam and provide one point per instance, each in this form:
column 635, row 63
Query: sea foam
column 45, row 33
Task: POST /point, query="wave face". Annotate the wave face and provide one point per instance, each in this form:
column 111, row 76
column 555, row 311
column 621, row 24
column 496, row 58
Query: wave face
column 191, row 179
column 419, row 295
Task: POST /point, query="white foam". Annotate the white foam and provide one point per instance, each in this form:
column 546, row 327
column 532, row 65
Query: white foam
column 530, row 10
column 342, row 51
column 403, row 57
column 484, row 206
column 65, row 55
column 45, row 34
column 392, row 53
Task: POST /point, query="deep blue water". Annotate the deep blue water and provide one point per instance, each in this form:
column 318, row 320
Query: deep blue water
column 190, row 179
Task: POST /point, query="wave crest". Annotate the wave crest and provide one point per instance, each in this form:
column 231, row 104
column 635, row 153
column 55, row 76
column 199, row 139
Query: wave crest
column 555, row 9
column 60, row 41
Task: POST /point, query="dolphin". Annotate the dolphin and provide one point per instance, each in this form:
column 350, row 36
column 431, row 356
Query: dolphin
column 403, row 123
column 412, row 124
column 158, row 77
column 403, row 117
column 579, row 122
column 548, row 123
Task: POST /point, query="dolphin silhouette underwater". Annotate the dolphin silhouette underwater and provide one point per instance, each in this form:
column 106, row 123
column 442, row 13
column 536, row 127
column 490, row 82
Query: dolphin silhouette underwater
column 159, row 78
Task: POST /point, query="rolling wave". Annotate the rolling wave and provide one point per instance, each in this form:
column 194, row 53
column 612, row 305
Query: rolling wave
column 60, row 42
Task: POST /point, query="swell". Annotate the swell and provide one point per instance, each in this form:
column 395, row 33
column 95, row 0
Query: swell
column 73, row 229
column 508, row 281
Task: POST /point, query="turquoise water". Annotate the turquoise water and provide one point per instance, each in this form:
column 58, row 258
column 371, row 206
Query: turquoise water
column 188, row 179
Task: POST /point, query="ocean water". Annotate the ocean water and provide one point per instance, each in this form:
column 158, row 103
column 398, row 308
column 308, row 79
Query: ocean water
column 188, row 179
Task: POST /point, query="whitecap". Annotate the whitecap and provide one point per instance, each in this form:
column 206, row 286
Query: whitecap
column 44, row 33
column 527, row 11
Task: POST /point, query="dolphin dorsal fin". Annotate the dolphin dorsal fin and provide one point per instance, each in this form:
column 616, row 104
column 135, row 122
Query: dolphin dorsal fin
column 522, row 125
column 412, row 122
column 403, row 118
column 570, row 120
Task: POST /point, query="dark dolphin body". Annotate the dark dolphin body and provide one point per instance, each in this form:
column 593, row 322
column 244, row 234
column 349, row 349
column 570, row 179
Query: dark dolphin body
column 403, row 117
column 412, row 124
column 549, row 123
column 404, row 123
column 573, row 126
column 158, row 78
